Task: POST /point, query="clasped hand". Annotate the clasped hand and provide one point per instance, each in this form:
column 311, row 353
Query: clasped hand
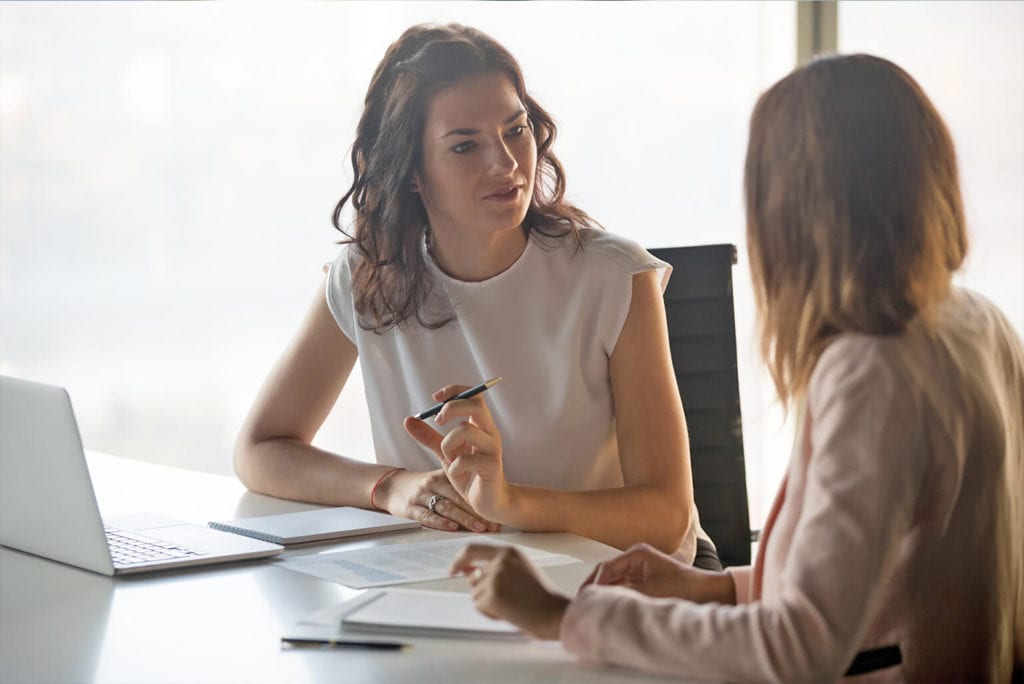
column 470, row 454
column 408, row 494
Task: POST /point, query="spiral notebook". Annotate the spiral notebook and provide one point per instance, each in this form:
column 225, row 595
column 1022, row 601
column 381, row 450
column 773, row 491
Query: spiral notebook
column 320, row 524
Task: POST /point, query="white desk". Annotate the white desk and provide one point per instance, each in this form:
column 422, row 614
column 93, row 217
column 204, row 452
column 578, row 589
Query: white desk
column 223, row 623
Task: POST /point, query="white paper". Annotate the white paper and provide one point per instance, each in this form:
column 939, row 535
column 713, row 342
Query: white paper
column 419, row 611
column 381, row 566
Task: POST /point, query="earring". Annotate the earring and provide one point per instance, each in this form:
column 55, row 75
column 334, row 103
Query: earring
column 414, row 187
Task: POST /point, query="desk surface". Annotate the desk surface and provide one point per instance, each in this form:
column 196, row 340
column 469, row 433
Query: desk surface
column 223, row 623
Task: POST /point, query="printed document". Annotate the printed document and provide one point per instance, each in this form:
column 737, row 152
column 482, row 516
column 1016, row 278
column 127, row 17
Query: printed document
column 381, row 566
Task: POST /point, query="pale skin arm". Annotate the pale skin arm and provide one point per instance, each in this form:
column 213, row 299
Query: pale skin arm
column 506, row 585
column 274, row 454
column 644, row 569
column 653, row 506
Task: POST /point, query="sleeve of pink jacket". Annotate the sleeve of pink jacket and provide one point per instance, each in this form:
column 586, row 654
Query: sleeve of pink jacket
column 742, row 577
column 863, row 479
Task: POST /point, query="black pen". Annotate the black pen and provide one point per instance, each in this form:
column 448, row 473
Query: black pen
column 471, row 392
column 343, row 643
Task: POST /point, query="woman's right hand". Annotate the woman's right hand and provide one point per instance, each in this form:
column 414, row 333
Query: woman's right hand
column 407, row 494
column 645, row 569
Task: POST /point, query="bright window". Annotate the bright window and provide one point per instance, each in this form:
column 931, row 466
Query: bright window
column 969, row 58
column 167, row 173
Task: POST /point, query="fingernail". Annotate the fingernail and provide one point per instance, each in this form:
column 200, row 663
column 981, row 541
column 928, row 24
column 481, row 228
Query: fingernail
column 479, row 527
column 452, row 526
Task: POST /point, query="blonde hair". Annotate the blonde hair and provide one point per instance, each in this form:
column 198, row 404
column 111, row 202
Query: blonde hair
column 854, row 216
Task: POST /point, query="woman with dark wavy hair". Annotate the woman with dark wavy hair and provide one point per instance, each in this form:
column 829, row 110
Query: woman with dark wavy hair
column 894, row 544
column 465, row 262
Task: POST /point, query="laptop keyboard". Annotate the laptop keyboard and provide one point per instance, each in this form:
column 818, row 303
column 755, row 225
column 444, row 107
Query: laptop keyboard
column 128, row 548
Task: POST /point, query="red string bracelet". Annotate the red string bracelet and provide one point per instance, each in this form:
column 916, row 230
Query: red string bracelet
column 379, row 480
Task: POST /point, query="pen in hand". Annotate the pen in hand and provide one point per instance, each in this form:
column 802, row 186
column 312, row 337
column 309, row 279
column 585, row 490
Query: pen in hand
column 471, row 392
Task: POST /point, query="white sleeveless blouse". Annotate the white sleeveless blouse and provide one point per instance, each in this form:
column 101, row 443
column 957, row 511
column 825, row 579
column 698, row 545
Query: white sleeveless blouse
column 547, row 325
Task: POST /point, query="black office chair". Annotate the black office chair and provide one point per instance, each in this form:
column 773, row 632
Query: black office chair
column 702, row 337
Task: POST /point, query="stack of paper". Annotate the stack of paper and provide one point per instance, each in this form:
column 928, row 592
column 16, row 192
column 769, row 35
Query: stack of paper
column 430, row 613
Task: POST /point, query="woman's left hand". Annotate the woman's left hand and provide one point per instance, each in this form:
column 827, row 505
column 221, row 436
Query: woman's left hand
column 470, row 454
column 507, row 585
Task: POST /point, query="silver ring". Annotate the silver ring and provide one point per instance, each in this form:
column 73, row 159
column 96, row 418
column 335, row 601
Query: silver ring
column 478, row 574
column 434, row 500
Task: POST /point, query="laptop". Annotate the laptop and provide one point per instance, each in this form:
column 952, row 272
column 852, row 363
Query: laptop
column 48, row 506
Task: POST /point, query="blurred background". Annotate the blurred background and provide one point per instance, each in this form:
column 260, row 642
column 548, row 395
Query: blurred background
column 168, row 171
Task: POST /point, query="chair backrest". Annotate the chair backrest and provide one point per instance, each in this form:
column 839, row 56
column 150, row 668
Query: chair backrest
column 702, row 336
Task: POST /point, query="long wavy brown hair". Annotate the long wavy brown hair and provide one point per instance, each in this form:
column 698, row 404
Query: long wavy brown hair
column 391, row 282
column 854, row 217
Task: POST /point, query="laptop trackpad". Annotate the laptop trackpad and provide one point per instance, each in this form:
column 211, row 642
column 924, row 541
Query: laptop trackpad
column 139, row 522
column 195, row 537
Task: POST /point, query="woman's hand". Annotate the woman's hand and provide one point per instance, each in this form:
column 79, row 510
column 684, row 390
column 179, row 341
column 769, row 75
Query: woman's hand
column 651, row 572
column 470, row 454
column 507, row 585
column 408, row 495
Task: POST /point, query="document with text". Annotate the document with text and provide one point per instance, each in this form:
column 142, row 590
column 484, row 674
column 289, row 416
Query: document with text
column 390, row 564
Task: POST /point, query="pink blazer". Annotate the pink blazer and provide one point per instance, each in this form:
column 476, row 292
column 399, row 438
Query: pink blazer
column 900, row 521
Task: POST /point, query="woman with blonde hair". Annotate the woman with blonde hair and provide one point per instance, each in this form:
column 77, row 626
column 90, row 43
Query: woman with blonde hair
column 894, row 543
